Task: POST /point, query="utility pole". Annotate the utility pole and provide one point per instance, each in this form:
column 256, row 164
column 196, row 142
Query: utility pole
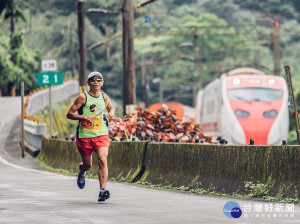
column 22, row 118
column 12, row 22
column 82, row 45
column 161, row 91
column 144, row 84
column 129, row 91
column 197, row 54
column 129, row 97
column 71, row 50
column 108, row 43
column 276, row 47
column 257, row 59
column 197, row 59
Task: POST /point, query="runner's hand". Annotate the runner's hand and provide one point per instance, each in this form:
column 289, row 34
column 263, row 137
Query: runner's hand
column 90, row 119
column 112, row 115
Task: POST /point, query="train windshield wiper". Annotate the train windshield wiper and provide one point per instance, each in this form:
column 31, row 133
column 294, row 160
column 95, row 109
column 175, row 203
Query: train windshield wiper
column 257, row 100
column 243, row 99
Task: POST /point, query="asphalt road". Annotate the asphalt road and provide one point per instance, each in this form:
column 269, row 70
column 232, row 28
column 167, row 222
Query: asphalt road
column 29, row 194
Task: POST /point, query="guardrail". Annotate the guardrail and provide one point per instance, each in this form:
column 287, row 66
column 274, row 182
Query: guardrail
column 33, row 134
column 33, row 131
column 40, row 100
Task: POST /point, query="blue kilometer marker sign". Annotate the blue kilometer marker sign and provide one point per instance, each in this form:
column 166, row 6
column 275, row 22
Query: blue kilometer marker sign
column 49, row 78
column 147, row 19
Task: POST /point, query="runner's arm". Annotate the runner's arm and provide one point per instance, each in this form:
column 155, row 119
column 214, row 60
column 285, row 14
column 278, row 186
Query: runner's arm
column 109, row 107
column 111, row 110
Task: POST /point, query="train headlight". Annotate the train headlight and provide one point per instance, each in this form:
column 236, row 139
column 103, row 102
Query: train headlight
column 270, row 113
column 236, row 81
column 272, row 81
column 241, row 113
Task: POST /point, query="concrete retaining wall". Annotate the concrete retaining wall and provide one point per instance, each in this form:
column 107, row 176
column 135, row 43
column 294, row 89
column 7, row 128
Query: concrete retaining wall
column 221, row 167
column 225, row 168
column 124, row 160
column 60, row 154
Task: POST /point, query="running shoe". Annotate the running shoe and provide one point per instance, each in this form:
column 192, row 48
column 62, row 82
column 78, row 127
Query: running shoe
column 103, row 195
column 81, row 180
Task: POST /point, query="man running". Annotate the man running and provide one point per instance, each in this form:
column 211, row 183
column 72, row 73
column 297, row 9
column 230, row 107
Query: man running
column 92, row 131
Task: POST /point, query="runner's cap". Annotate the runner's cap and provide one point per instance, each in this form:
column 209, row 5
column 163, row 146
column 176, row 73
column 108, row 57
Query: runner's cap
column 92, row 74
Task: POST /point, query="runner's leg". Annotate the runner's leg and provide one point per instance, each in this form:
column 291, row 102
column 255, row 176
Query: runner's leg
column 86, row 163
column 103, row 169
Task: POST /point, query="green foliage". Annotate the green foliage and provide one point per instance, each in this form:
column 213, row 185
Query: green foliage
column 55, row 170
column 231, row 34
column 272, row 6
column 10, row 9
column 258, row 190
column 292, row 135
column 185, row 70
column 17, row 63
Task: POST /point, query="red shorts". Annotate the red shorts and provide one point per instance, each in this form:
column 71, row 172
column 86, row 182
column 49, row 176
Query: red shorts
column 86, row 146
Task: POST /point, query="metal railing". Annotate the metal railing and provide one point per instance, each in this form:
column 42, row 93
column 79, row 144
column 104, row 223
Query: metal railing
column 34, row 132
column 40, row 100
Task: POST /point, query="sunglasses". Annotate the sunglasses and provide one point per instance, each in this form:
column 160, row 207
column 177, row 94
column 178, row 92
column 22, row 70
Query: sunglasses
column 95, row 80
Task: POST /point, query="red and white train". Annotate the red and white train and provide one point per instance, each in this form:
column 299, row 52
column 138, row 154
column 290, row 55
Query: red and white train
column 245, row 104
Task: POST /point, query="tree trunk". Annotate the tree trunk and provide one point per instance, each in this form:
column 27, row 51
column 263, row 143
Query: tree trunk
column 12, row 23
column 12, row 89
column 276, row 47
column 82, row 44
column 129, row 97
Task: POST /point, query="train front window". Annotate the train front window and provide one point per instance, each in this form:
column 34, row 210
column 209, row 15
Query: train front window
column 255, row 94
